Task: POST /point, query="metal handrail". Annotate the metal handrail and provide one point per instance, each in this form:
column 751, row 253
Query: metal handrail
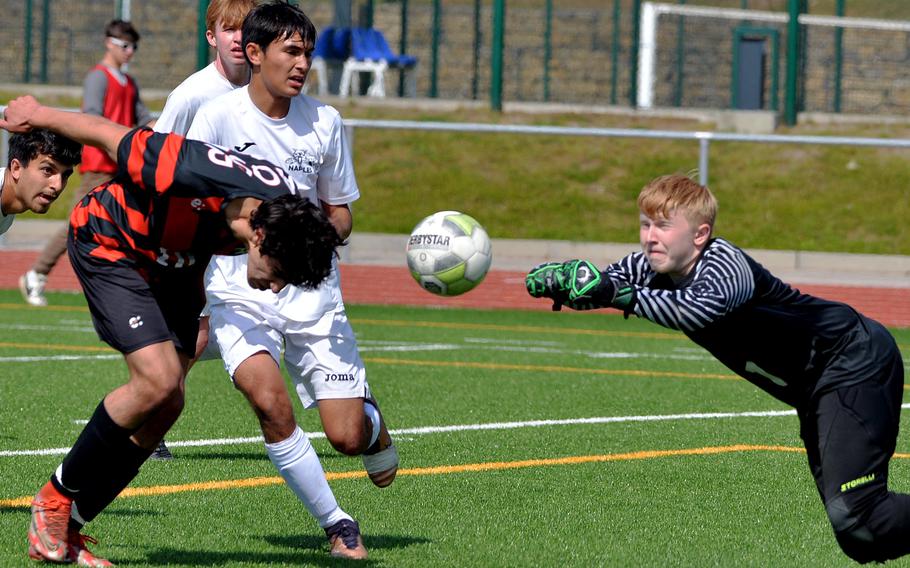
column 704, row 138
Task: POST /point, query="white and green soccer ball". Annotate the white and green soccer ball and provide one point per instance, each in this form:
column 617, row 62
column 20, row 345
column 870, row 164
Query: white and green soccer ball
column 449, row 253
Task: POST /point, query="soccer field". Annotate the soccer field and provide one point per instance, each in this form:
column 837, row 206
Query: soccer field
column 526, row 439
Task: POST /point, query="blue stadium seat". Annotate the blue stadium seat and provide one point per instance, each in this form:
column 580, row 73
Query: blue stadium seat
column 370, row 53
column 340, row 48
column 381, row 47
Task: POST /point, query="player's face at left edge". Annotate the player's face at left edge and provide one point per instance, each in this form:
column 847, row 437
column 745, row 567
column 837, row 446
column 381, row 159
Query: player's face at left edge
column 40, row 183
column 283, row 65
column 261, row 269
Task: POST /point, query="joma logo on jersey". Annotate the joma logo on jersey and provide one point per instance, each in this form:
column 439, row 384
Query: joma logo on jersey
column 302, row 161
column 265, row 173
column 441, row 241
column 333, row 377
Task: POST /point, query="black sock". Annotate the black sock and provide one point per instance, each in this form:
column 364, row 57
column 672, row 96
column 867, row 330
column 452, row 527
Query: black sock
column 93, row 453
column 120, row 471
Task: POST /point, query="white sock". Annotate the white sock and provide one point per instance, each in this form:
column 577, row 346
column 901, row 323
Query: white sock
column 373, row 414
column 59, row 474
column 299, row 465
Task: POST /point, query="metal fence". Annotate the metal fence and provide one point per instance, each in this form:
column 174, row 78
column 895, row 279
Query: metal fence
column 571, row 51
column 703, row 138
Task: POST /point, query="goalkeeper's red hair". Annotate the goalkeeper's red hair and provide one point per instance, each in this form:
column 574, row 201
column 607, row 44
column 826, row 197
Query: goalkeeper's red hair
column 666, row 195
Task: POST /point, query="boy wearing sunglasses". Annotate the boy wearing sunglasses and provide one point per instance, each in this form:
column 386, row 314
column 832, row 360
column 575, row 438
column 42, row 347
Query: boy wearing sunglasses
column 110, row 92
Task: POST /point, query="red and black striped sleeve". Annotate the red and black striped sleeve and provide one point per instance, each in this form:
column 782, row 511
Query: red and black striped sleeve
column 213, row 171
column 169, row 163
column 149, row 159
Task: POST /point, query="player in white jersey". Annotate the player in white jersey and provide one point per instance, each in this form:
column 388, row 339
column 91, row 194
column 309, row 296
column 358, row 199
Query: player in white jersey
column 40, row 163
column 228, row 71
column 270, row 118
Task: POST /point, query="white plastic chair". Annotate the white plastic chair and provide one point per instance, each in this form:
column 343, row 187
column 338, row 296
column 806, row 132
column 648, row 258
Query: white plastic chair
column 366, row 57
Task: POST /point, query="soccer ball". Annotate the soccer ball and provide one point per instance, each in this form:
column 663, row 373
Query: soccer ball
column 449, row 253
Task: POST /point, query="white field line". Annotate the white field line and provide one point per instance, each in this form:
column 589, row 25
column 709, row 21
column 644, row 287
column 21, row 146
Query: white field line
column 480, row 344
column 475, row 344
column 462, row 428
column 458, row 428
column 411, row 347
column 38, row 327
column 517, row 345
column 44, row 358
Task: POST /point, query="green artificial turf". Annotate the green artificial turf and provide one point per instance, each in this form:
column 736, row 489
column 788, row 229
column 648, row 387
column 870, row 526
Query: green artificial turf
column 526, row 439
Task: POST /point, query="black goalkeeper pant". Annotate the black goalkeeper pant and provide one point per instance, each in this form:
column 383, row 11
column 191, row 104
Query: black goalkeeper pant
column 850, row 436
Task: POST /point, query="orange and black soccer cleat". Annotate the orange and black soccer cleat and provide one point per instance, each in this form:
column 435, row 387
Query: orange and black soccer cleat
column 80, row 555
column 47, row 533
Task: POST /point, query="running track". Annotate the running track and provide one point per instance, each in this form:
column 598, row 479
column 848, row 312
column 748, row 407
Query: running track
column 368, row 284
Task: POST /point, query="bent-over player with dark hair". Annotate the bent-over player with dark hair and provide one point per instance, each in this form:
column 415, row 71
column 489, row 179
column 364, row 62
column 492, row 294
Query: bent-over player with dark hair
column 139, row 245
column 841, row 370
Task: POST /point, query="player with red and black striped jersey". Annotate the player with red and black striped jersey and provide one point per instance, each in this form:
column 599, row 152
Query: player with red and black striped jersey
column 841, row 370
column 166, row 204
column 161, row 219
column 139, row 245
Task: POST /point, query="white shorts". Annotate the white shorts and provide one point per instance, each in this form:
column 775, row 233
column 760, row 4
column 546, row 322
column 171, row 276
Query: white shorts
column 321, row 357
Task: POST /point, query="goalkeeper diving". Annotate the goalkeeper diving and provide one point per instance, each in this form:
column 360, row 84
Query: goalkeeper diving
column 841, row 370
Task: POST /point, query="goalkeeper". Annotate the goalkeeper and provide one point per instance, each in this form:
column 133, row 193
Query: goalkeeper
column 841, row 370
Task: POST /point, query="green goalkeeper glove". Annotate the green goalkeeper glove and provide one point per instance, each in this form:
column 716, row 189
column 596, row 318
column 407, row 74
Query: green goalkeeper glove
column 548, row 280
column 577, row 284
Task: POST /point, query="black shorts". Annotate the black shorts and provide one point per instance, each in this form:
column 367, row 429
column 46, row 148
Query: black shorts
column 131, row 312
column 850, row 433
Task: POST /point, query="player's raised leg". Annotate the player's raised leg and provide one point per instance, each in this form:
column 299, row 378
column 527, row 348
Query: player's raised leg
column 323, row 360
column 259, row 378
column 355, row 426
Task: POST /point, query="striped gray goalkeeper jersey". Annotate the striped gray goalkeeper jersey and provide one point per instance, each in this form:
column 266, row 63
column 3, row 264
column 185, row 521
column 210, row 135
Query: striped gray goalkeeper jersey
column 788, row 343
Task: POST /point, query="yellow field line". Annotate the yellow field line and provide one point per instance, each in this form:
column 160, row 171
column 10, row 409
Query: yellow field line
column 419, row 363
column 546, row 368
column 449, row 325
column 431, row 324
column 522, row 328
column 460, row 364
column 22, row 502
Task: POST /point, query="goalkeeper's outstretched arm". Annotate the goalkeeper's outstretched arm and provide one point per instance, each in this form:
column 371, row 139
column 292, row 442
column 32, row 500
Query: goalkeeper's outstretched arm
column 579, row 285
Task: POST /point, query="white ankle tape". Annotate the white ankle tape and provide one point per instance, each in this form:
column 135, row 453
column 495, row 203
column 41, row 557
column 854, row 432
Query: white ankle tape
column 382, row 461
